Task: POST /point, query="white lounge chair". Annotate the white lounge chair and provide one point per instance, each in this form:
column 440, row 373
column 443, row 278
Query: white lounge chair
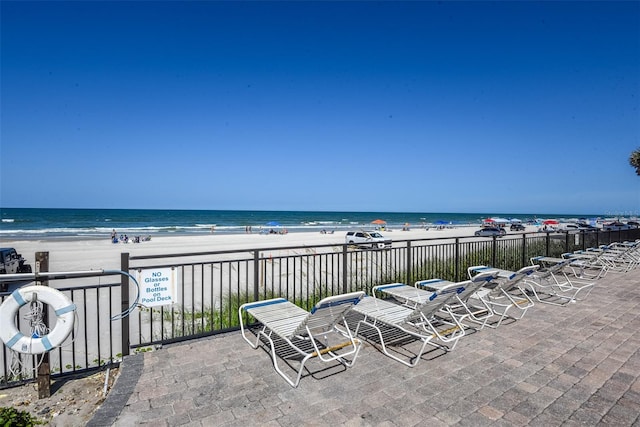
column 297, row 333
column 446, row 327
column 551, row 284
column 461, row 307
column 621, row 256
column 507, row 292
column 587, row 264
column 394, row 322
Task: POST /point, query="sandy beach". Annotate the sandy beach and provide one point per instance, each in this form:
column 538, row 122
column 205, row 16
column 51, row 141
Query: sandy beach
column 93, row 254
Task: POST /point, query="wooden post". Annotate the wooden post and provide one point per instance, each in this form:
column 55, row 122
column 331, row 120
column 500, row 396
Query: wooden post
column 44, row 370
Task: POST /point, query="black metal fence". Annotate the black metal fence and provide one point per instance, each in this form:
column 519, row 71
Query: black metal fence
column 212, row 285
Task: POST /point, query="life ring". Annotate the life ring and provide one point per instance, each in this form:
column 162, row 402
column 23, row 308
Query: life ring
column 16, row 340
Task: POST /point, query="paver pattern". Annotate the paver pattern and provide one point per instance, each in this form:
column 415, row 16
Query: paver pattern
column 558, row 366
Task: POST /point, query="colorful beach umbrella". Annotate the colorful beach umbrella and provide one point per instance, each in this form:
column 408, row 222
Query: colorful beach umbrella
column 550, row 222
column 500, row 220
column 378, row 221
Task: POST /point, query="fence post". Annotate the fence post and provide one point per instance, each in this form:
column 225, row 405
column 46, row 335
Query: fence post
column 124, row 302
column 256, row 275
column 494, row 250
column 548, row 243
column 344, row 269
column 524, row 249
column 44, row 369
column 409, row 263
column 456, row 267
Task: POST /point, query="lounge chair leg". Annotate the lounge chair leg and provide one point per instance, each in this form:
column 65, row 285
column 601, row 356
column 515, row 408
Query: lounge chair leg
column 414, row 360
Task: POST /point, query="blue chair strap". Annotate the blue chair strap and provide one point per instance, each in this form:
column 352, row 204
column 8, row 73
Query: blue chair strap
column 391, row 286
column 335, row 303
column 264, row 303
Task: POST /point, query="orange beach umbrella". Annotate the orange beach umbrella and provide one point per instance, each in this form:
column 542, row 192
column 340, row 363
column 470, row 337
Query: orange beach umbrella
column 378, row 221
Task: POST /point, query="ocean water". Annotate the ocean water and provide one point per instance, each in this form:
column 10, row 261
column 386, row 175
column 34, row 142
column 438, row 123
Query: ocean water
column 23, row 223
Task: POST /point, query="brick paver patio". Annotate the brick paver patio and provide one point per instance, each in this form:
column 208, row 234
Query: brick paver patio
column 572, row 365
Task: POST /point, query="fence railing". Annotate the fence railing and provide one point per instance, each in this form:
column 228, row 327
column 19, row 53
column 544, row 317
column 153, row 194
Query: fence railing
column 94, row 341
column 212, row 285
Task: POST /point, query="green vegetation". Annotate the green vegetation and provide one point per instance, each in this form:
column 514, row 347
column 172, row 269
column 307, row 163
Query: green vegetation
column 634, row 160
column 509, row 257
column 11, row 417
column 181, row 322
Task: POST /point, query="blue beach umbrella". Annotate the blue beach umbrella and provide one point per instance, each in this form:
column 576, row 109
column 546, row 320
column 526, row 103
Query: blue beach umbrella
column 273, row 224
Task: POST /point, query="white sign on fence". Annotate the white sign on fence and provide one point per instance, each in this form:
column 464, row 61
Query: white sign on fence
column 157, row 286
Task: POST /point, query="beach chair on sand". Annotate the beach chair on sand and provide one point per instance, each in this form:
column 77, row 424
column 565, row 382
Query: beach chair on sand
column 296, row 334
column 394, row 323
column 551, row 284
column 461, row 306
column 505, row 293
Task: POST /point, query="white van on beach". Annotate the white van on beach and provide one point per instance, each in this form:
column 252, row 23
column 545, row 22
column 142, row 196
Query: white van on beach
column 367, row 239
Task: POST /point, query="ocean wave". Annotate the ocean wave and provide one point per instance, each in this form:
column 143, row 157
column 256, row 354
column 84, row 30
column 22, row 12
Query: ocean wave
column 106, row 231
column 99, row 223
column 316, row 223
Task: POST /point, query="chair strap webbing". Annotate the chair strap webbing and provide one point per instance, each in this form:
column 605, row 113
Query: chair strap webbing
column 335, row 303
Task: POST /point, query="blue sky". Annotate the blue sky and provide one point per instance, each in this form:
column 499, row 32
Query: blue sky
column 521, row 107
